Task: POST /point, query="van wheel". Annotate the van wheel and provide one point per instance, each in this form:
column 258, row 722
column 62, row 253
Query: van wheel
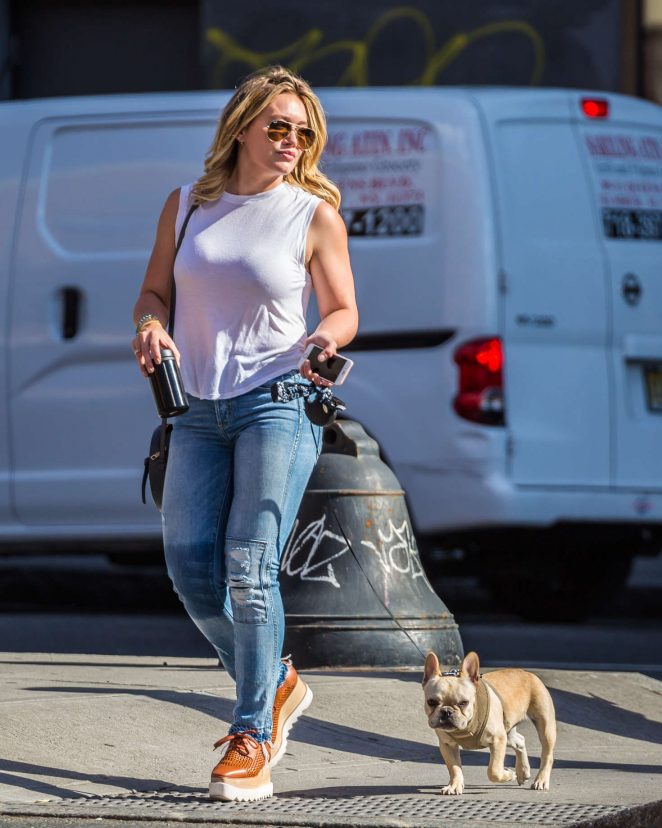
column 547, row 583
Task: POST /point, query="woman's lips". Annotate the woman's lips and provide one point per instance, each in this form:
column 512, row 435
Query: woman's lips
column 287, row 155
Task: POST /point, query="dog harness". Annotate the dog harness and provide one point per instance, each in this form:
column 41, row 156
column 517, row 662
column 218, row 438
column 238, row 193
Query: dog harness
column 470, row 739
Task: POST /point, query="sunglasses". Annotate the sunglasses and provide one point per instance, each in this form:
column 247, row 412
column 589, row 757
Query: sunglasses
column 279, row 130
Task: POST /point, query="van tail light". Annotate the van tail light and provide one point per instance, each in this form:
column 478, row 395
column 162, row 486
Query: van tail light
column 595, row 107
column 480, row 393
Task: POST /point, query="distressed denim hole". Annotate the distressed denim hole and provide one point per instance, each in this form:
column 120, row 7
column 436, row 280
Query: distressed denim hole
column 247, row 592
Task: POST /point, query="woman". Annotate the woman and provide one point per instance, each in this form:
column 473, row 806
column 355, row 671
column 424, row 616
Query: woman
column 266, row 231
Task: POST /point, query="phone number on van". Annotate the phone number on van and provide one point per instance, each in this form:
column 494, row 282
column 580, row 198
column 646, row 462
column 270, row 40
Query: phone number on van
column 632, row 224
column 400, row 220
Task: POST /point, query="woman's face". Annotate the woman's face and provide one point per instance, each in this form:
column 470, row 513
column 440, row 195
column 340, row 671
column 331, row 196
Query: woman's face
column 261, row 156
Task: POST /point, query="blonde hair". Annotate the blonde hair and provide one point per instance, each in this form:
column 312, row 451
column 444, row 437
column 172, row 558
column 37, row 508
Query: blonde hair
column 253, row 95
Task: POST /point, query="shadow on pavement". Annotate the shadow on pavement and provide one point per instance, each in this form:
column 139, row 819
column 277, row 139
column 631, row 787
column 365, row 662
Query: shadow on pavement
column 309, row 730
column 595, row 713
column 11, row 774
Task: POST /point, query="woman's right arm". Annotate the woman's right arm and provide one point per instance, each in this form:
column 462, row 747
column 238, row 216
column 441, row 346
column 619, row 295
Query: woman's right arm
column 154, row 296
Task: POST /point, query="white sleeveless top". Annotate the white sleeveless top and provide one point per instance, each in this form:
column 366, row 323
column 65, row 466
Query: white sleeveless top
column 242, row 289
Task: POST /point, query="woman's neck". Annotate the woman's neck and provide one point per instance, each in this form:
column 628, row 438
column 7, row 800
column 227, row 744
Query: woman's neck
column 243, row 183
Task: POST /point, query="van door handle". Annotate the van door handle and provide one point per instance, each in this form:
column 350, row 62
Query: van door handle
column 71, row 301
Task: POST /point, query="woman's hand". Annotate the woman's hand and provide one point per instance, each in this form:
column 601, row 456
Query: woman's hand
column 147, row 347
column 328, row 346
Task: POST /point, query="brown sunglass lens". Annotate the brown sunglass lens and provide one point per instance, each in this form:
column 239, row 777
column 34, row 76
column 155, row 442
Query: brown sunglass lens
column 278, row 130
column 305, row 137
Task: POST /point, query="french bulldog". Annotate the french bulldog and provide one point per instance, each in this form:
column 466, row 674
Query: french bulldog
column 469, row 711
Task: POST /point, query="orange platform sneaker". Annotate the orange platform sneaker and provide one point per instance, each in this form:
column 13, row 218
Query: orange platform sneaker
column 292, row 698
column 243, row 773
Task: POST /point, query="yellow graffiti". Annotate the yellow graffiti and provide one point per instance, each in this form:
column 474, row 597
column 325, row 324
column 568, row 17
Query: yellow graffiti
column 309, row 49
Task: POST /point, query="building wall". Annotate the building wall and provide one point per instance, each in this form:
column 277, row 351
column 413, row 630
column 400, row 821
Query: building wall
column 652, row 74
column 74, row 47
column 79, row 47
column 420, row 42
column 5, row 56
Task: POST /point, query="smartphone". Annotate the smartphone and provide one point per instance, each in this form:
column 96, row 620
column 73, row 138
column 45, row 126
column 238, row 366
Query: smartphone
column 334, row 370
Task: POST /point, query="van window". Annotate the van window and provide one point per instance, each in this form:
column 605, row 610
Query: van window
column 103, row 185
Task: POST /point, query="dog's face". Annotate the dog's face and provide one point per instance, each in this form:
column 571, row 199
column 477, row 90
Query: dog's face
column 450, row 700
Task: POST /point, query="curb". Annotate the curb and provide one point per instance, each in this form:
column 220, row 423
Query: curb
column 641, row 816
column 412, row 811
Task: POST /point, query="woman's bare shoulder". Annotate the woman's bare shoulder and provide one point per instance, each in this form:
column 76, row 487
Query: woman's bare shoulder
column 169, row 212
column 172, row 202
column 327, row 219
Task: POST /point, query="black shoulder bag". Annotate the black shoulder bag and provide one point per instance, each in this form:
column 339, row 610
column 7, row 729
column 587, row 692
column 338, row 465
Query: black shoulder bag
column 157, row 460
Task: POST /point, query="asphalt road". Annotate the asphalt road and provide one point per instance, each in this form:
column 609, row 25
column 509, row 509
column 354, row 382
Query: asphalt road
column 84, row 604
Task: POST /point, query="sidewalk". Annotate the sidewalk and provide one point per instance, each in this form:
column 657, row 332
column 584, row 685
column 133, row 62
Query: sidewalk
column 130, row 737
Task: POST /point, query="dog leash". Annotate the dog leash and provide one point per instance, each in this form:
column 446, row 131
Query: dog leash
column 378, row 596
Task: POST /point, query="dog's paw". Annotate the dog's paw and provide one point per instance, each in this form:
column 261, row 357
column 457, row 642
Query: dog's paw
column 522, row 775
column 540, row 784
column 452, row 790
column 501, row 776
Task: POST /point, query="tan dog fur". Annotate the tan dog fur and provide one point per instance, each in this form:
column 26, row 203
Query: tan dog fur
column 450, row 704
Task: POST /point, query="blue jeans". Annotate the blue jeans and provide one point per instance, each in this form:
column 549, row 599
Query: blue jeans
column 237, row 471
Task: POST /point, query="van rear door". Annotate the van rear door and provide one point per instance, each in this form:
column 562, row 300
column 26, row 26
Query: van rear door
column 623, row 154
column 554, row 288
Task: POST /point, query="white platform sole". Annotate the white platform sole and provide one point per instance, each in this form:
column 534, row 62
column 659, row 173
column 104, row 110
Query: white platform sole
column 224, row 792
column 303, row 705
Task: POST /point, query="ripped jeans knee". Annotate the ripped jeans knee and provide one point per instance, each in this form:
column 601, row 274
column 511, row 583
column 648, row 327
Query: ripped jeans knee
column 247, row 579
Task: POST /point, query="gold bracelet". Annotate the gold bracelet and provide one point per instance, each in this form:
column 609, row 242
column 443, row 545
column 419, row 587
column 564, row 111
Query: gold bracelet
column 145, row 319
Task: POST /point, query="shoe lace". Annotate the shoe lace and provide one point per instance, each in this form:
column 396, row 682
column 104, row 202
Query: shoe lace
column 242, row 742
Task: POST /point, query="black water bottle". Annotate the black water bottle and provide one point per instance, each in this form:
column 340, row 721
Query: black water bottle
column 167, row 386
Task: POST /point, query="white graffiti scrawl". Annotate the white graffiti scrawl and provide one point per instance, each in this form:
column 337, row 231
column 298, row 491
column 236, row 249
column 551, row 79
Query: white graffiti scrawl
column 310, row 551
column 302, row 555
column 397, row 551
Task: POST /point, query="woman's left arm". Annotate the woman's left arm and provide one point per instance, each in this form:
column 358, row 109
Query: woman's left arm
column 331, row 271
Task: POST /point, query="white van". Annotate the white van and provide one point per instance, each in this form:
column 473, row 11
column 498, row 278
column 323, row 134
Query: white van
column 507, row 248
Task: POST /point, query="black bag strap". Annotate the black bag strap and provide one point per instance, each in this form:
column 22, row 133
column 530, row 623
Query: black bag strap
column 173, row 302
column 144, row 483
column 173, row 290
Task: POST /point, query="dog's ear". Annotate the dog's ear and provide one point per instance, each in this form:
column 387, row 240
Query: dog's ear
column 471, row 667
column 431, row 667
